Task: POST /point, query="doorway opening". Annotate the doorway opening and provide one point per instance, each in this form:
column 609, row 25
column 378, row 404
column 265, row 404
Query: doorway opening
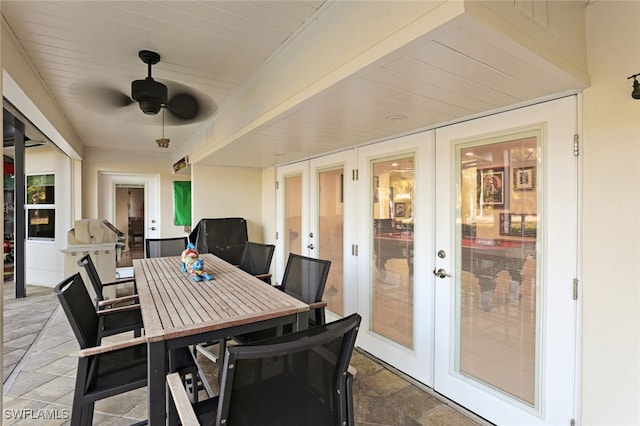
column 129, row 217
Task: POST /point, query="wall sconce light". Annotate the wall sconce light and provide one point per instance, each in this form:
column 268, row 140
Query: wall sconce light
column 636, row 86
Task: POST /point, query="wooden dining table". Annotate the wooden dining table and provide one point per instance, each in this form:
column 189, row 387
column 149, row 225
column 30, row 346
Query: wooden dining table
column 178, row 311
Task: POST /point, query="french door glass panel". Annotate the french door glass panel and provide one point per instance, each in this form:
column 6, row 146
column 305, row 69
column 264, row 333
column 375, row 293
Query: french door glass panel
column 496, row 246
column 392, row 257
column 330, row 195
column 293, row 215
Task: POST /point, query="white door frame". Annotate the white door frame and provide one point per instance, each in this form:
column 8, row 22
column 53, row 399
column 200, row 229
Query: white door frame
column 107, row 198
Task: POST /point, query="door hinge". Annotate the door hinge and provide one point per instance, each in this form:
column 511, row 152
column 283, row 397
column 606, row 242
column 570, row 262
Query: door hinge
column 277, row 185
column 576, row 145
column 575, row 289
column 354, row 174
column 572, row 422
column 354, row 249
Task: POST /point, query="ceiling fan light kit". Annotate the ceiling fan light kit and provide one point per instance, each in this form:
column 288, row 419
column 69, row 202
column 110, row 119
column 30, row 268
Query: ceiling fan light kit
column 163, row 142
column 151, row 95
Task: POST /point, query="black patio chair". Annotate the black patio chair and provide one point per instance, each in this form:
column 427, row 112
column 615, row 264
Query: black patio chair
column 256, row 260
column 107, row 370
column 103, row 370
column 304, row 278
column 163, row 247
column 98, row 285
column 296, row 379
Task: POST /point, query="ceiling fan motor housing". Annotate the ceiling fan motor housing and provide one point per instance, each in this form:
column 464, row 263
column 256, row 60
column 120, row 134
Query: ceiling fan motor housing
column 150, row 95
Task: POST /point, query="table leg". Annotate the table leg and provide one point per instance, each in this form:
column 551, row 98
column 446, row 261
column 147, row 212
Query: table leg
column 156, row 383
column 302, row 321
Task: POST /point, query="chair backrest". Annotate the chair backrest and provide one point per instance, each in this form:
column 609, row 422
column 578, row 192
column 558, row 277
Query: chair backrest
column 86, row 262
column 162, row 247
column 256, row 258
column 305, row 277
column 298, row 378
column 224, row 237
column 79, row 309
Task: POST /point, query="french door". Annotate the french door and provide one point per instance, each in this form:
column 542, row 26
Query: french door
column 395, row 229
column 313, row 197
column 505, row 264
column 466, row 242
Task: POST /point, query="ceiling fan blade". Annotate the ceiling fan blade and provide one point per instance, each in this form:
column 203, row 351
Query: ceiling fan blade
column 110, row 97
column 184, row 106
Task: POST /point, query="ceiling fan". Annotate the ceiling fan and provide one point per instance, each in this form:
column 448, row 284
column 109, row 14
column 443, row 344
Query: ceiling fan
column 152, row 95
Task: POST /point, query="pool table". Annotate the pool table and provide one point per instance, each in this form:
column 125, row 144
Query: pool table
column 393, row 245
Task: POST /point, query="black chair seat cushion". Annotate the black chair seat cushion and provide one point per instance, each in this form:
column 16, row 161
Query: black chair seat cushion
column 292, row 405
column 128, row 366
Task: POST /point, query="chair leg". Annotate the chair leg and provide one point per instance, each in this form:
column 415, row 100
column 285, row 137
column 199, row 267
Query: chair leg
column 349, row 400
column 82, row 414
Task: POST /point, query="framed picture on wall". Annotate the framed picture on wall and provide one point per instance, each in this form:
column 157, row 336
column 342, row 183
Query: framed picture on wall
column 524, row 179
column 492, row 186
column 400, row 209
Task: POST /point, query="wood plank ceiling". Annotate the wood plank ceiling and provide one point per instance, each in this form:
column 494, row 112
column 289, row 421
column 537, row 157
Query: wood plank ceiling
column 215, row 47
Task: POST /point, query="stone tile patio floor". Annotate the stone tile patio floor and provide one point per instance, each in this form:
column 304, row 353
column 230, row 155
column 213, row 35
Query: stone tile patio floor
column 39, row 366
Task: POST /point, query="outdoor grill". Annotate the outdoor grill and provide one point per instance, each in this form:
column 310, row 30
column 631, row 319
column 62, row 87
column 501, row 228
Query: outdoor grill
column 99, row 238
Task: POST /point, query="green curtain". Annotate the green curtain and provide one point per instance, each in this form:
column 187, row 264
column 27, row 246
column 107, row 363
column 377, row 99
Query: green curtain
column 182, row 203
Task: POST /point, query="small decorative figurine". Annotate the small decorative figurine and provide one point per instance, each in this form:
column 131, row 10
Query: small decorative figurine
column 188, row 256
column 197, row 270
column 194, row 264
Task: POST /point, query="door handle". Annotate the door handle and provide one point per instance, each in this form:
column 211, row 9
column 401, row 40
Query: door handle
column 310, row 247
column 153, row 228
column 441, row 273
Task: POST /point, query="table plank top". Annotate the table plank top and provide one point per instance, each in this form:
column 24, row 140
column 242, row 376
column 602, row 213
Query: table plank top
column 174, row 305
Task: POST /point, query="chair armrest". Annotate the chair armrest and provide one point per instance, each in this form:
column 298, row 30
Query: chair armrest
column 318, row 305
column 112, row 347
column 181, row 400
column 122, row 281
column 108, row 311
column 352, row 370
column 131, row 298
column 261, row 276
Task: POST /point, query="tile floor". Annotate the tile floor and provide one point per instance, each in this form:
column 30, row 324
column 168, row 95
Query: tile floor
column 39, row 362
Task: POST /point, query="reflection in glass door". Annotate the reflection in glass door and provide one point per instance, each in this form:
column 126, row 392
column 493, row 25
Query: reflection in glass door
column 292, row 215
column 392, row 255
column 496, row 240
column 330, row 195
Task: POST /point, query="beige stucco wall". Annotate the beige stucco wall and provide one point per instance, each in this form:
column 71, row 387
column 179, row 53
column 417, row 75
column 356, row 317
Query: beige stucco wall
column 98, row 160
column 611, row 235
column 228, row 192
